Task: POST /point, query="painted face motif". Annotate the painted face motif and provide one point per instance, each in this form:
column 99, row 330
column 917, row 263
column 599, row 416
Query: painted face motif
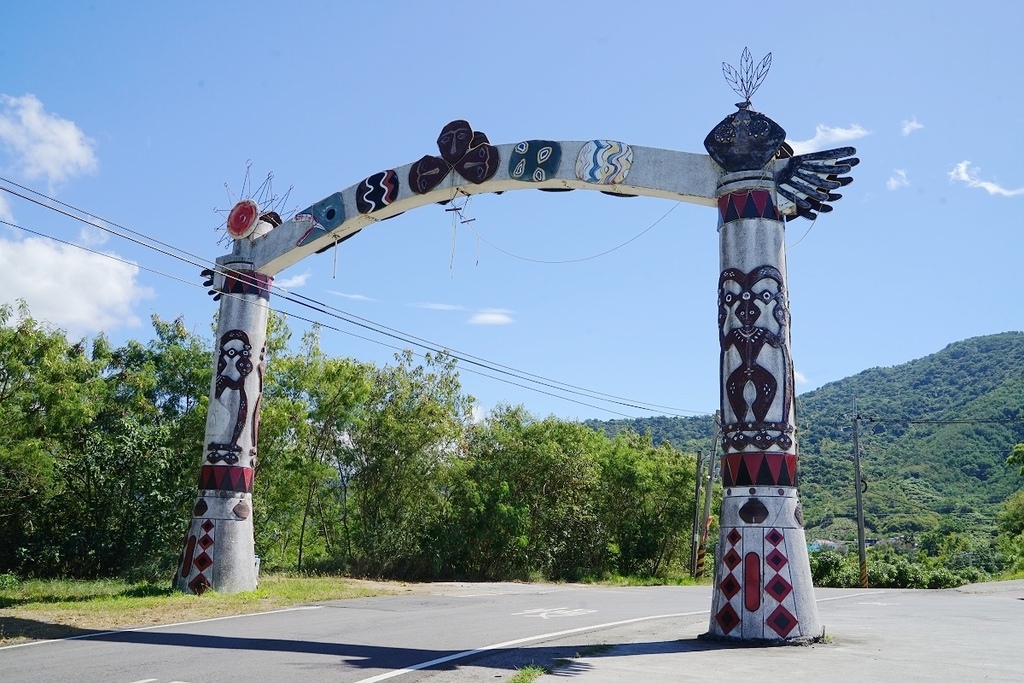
column 427, row 173
column 234, row 362
column 454, row 141
column 744, row 140
column 747, row 296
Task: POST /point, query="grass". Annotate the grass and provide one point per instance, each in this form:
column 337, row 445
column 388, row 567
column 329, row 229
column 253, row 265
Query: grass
column 36, row 610
column 528, row 674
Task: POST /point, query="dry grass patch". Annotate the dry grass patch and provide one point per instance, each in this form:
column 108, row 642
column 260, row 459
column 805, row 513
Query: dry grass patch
column 36, row 610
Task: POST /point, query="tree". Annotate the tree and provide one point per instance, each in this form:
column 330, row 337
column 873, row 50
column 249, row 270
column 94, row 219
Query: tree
column 403, row 443
column 1016, row 457
column 310, row 405
column 646, row 502
column 531, row 498
column 123, row 487
column 48, row 395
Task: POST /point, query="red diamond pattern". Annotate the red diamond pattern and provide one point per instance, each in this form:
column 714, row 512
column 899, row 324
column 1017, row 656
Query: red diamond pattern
column 731, row 559
column 778, row 588
column 729, row 587
column 776, row 560
column 207, row 526
column 205, row 541
column 774, row 537
column 199, row 584
column 781, row 621
column 727, row 618
column 734, row 537
column 202, row 562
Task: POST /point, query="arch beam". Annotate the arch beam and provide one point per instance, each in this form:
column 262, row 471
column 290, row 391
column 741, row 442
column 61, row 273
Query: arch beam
column 655, row 172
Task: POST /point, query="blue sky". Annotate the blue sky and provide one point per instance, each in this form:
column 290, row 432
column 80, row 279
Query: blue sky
column 141, row 113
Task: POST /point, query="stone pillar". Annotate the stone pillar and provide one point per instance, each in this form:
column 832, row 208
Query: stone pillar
column 762, row 589
column 219, row 551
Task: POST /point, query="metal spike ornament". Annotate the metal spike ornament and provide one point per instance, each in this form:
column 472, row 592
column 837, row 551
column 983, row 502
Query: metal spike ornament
column 763, row 590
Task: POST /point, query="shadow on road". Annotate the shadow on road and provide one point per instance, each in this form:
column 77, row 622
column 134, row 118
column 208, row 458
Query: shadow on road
column 579, row 664
column 16, row 627
column 563, row 658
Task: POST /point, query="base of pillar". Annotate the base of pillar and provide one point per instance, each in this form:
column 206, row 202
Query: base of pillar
column 763, row 642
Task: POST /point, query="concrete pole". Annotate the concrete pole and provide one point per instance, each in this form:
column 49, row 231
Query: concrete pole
column 219, row 551
column 763, row 589
column 706, row 519
column 859, row 484
column 697, row 483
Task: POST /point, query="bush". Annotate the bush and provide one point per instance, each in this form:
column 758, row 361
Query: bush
column 829, row 569
column 8, row 581
column 944, row 578
column 881, row 575
column 908, row 575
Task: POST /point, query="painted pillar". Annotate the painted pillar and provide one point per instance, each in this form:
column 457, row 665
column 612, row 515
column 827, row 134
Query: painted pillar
column 219, row 551
column 763, row 589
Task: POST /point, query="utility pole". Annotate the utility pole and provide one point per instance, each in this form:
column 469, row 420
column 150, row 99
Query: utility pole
column 696, row 516
column 860, row 500
column 702, row 548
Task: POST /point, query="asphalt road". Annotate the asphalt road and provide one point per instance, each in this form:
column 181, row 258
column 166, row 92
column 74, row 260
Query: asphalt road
column 474, row 632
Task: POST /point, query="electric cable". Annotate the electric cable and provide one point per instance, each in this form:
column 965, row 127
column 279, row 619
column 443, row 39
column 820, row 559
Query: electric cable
column 326, row 309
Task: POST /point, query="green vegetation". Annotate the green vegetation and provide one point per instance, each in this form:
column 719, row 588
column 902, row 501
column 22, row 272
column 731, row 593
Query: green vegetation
column 528, row 674
column 362, row 471
column 941, row 442
column 381, row 472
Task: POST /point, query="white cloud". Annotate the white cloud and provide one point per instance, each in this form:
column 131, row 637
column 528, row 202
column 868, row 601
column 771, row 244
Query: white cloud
column 800, row 377
column 909, row 126
column 43, row 145
column 353, row 297
column 969, row 175
column 293, row 281
column 91, row 236
column 5, row 210
column 492, row 316
column 439, row 307
column 80, row 292
column 897, row 180
column 826, row 137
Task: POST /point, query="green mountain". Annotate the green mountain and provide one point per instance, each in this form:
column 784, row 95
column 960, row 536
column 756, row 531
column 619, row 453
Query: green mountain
column 934, row 437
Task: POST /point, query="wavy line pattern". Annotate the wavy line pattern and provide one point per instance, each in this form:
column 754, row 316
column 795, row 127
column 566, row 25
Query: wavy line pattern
column 377, row 191
column 604, row 162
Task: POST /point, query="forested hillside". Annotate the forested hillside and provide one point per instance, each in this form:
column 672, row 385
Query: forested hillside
column 934, row 433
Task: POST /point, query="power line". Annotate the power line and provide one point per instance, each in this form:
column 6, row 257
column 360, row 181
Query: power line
column 994, row 420
column 325, row 309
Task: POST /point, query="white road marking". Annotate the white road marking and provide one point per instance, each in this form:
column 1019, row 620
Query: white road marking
column 847, row 597
column 520, row 641
column 549, row 612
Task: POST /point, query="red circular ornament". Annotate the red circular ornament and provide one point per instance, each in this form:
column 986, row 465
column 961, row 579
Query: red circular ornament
column 243, row 218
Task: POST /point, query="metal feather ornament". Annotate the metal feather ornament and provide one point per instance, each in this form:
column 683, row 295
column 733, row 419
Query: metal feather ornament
column 748, row 78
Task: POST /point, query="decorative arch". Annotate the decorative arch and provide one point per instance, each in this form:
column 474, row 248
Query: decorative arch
column 763, row 590
column 477, row 167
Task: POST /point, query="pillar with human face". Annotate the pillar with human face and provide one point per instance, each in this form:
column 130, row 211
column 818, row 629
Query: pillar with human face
column 763, row 589
column 219, row 549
